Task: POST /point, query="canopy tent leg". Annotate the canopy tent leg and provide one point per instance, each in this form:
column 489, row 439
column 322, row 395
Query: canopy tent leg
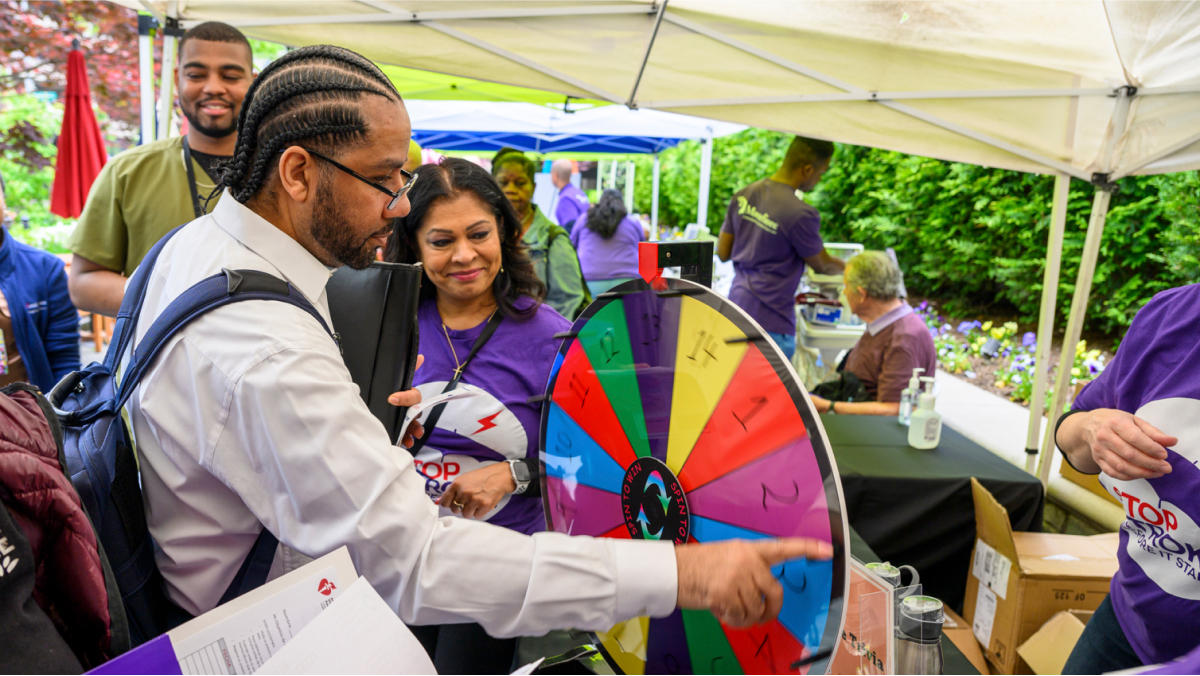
column 654, row 201
column 146, row 75
column 599, row 178
column 629, row 169
column 166, row 98
column 1083, row 287
column 612, row 177
column 1045, row 327
column 705, row 178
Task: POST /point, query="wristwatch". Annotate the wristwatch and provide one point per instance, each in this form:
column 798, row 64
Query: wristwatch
column 832, row 408
column 520, row 475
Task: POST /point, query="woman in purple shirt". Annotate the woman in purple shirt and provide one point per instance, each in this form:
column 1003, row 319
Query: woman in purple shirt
column 483, row 327
column 606, row 239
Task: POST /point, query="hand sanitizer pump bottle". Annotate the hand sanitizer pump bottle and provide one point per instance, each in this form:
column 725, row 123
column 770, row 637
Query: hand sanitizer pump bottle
column 925, row 428
column 908, row 398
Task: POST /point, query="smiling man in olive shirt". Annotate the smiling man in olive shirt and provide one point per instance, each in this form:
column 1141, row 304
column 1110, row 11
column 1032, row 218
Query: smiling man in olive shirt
column 145, row 192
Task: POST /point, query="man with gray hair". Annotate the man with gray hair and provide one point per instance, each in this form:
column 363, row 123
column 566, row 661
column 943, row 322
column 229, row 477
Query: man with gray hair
column 896, row 340
column 571, row 202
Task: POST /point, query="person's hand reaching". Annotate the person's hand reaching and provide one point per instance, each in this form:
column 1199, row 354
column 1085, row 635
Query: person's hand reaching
column 733, row 578
column 405, row 399
column 1125, row 446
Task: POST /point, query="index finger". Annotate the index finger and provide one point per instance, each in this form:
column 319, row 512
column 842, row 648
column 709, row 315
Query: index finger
column 785, row 549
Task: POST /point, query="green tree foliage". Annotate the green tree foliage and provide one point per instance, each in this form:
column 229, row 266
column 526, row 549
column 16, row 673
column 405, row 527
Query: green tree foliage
column 972, row 237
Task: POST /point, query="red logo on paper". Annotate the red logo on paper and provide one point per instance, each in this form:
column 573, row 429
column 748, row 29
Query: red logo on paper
column 326, row 587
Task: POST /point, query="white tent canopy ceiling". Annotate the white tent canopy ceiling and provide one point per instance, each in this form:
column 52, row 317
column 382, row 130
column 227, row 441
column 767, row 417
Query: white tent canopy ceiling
column 1091, row 89
column 1025, row 86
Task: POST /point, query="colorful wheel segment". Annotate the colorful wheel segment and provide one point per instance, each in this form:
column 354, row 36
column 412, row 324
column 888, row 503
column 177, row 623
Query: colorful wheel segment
column 672, row 416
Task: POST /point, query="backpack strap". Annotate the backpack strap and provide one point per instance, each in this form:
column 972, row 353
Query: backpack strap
column 131, row 304
column 254, row 570
column 228, row 286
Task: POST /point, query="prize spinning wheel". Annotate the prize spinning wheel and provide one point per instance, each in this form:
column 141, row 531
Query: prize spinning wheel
column 672, row 416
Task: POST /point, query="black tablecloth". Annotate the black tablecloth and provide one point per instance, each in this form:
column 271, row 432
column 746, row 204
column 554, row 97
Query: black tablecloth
column 915, row 507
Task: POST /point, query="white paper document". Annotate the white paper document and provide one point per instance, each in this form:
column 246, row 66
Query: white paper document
column 415, row 411
column 991, row 568
column 240, row 636
column 359, row 634
column 985, row 616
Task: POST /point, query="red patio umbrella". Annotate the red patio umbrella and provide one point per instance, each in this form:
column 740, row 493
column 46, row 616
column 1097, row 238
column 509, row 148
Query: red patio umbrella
column 81, row 151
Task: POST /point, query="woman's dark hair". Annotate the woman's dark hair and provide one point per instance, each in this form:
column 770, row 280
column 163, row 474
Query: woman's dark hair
column 607, row 214
column 505, row 158
column 312, row 94
column 453, row 178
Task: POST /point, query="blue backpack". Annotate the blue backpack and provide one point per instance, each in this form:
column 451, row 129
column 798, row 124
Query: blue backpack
column 99, row 448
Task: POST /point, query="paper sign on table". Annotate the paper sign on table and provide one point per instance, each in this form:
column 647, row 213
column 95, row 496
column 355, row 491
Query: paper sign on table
column 240, row 636
column 360, row 634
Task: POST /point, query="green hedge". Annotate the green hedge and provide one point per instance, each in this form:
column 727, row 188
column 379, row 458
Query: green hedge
column 972, row 237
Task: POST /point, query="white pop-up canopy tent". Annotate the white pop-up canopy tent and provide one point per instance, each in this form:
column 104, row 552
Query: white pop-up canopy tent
column 490, row 126
column 1090, row 89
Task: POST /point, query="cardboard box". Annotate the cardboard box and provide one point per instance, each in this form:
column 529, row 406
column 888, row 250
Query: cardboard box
column 1018, row 581
column 958, row 631
column 1046, row 652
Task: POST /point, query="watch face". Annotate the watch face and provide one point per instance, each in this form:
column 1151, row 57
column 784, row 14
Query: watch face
column 520, row 471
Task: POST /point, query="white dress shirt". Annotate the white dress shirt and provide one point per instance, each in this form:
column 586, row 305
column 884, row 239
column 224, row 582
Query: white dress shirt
column 249, row 419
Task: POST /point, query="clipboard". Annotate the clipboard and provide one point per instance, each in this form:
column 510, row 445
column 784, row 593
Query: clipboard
column 374, row 313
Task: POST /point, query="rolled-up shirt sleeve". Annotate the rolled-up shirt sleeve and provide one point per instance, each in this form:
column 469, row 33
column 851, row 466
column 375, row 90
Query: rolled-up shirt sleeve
column 317, row 469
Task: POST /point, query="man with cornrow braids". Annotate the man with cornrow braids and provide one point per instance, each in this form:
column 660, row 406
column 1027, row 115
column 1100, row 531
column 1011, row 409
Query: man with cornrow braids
column 249, row 419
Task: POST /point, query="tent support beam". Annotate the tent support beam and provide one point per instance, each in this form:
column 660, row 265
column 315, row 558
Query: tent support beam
column 166, row 98
column 632, row 102
column 1165, row 152
column 391, row 15
column 1083, row 283
column 1066, row 360
column 146, row 76
column 706, row 151
column 517, row 58
column 898, row 107
column 629, row 175
column 654, row 200
column 1045, row 326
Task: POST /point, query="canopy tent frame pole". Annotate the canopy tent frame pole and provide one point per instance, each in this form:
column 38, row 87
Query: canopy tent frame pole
column 898, row 107
column 612, row 167
column 1083, row 284
column 517, row 58
column 166, row 98
column 1045, row 326
column 1165, row 152
column 632, row 102
column 629, row 183
column 394, row 15
column 706, row 150
column 654, row 201
column 599, row 177
column 146, row 75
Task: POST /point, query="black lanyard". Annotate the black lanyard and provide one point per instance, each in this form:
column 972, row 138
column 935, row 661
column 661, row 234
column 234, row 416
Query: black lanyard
column 436, row 414
column 191, row 172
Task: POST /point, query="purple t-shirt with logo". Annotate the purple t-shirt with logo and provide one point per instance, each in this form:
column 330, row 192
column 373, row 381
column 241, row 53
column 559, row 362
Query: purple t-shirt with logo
column 572, row 203
column 612, row 258
column 1156, row 376
column 497, row 424
column 773, row 232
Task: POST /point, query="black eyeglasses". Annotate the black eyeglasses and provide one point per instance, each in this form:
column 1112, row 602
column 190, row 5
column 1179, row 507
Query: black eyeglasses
column 409, row 179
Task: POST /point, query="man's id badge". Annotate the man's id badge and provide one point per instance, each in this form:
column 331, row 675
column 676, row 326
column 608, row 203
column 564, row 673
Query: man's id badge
column 3, row 355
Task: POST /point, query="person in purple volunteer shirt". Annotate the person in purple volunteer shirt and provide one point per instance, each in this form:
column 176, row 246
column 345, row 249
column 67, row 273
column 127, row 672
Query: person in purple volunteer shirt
column 571, row 202
column 607, row 238
column 770, row 234
column 480, row 458
column 1138, row 426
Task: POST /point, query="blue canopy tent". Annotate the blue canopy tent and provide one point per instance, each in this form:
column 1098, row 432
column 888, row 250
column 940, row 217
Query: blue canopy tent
column 486, row 126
